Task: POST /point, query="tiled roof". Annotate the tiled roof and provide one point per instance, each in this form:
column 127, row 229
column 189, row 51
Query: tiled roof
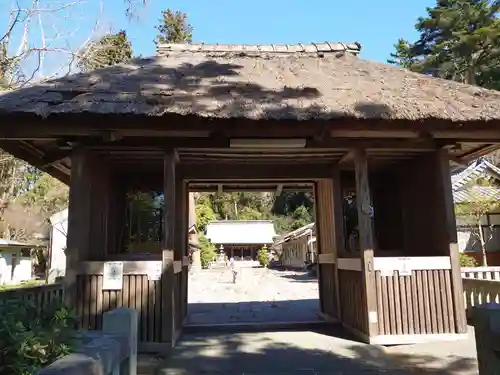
column 481, row 168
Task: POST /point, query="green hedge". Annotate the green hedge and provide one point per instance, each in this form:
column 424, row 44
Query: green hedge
column 31, row 339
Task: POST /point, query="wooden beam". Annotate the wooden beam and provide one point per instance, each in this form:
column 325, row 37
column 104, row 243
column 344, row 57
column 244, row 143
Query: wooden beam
column 489, row 135
column 458, row 161
column 231, row 171
column 348, row 156
column 112, row 136
column 55, row 157
column 168, row 323
column 347, row 133
column 33, row 157
column 219, row 189
column 244, row 127
column 366, row 240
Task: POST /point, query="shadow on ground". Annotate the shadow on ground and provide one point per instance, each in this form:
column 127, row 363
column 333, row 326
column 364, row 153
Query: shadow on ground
column 303, row 310
column 292, row 352
column 303, row 277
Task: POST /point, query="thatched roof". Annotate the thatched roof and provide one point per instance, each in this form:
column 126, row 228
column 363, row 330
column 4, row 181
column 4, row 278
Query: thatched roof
column 317, row 81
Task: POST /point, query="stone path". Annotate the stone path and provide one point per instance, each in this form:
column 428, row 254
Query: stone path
column 449, row 357
column 262, row 295
column 275, row 353
column 259, row 296
column 325, row 352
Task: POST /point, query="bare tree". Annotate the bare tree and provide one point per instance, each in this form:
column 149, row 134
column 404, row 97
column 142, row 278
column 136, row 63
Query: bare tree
column 22, row 223
column 472, row 213
column 42, row 40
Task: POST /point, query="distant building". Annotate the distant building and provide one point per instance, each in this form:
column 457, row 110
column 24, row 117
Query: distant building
column 297, row 248
column 466, row 190
column 241, row 239
column 57, row 244
column 16, row 262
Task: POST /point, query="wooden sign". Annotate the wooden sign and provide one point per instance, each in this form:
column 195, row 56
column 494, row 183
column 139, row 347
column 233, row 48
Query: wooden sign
column 112, row 276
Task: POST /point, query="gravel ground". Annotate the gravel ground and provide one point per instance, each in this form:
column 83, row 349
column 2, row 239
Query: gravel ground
column 259, row 296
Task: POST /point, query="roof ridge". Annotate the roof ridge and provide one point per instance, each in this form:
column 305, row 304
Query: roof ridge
column 322, row 47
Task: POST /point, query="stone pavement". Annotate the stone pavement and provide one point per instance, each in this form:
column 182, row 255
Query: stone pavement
column 259, row 296
column 321, row 352
column 449, row 357
column 262, row 295
column 275, row 353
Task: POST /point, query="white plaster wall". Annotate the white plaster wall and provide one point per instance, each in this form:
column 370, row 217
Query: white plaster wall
column 5, row 269
column 23, row 270
column 464, row 236
column 58, row 244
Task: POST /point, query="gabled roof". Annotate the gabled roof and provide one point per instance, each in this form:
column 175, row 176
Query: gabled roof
column 296, row 233
column 490, row 193
column 6, row 244
column 293, row 81
column 241, row 232
column 481, row 168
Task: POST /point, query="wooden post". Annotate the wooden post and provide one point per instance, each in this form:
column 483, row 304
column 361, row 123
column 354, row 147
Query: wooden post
column 338, row 229
column 79, row 216
column 181, row 242
column 366, row 239
column 445, row 214
column 329, row 235
column 167, row 281
column 89, row 224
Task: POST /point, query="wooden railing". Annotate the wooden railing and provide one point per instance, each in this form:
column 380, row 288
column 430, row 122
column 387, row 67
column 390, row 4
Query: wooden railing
column 479, row 291
column 40, row 295
column 481, row 285
column 487, row 273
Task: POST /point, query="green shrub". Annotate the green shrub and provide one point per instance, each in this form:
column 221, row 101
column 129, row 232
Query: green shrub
column 467, row 260
column 31, row 339
column 263, row 256
column 207, row 251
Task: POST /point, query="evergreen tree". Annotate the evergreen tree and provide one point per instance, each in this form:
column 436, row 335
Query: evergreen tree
column 109, row 50
column 174, row 28
column 459, row 40
column 403, row 55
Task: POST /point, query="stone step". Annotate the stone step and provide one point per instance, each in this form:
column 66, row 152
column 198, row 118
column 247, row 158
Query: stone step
column 257, row 327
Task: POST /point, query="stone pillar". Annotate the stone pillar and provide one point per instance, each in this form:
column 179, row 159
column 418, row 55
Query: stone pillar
column 196, row 260
column 124, row 322
column 487, row 330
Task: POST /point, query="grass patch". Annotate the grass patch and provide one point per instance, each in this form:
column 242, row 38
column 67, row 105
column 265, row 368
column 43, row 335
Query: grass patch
column 26, row 284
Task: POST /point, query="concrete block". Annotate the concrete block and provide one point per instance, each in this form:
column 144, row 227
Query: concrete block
column 124, row 321
column 101, row 356
column 487, row 330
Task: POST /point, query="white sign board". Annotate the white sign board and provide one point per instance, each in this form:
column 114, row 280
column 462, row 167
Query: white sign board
column 404, row 267
column 112, row 276
column 154, row 273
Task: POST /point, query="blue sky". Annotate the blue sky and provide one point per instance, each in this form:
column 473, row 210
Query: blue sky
column 375, row 24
